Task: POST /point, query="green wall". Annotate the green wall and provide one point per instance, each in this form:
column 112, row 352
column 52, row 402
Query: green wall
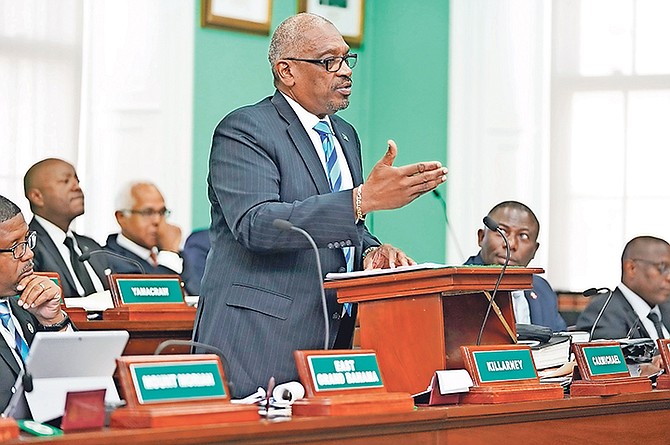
column 399, row 92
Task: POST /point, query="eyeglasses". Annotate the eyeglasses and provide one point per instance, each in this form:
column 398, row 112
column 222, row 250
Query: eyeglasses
column 148, row 213
column 331, row 64
column 663, row 268
column 20, row 249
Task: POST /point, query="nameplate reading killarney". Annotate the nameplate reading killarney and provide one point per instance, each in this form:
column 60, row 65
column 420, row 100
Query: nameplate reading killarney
column 504, row 373
column 504, row 366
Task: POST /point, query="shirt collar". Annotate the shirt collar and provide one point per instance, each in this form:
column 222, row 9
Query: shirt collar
column 307, row 119
column 54, row 232
column 640, row 306
column 135, row 248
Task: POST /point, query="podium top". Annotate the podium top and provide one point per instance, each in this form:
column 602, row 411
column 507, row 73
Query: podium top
column 448, row 280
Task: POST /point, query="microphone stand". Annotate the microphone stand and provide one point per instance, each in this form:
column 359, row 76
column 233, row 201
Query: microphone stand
column 286, row 225
column 591, row 292
column 491, row 224
column 86, row 255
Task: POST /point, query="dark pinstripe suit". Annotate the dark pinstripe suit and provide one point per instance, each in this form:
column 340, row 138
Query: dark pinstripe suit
column 9, row 368
column 259, row 299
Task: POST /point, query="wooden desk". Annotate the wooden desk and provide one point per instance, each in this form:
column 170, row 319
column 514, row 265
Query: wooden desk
column 145, row 336
column 624, row 418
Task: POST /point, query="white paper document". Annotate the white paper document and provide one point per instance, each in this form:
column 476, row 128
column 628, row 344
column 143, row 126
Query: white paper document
column 368, row 273
column 98, row 301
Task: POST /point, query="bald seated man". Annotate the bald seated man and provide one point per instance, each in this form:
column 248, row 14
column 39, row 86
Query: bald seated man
column 56, row 199
column 644, row 288
column 28, row 302
column 145, row 236
column 538, row 306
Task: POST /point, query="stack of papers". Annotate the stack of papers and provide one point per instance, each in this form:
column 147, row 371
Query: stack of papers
column 372, row 272
column 553, row 353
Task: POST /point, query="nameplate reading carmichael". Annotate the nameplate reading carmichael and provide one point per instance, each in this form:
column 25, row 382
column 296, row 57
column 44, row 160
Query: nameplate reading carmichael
column 504, row 366
column 351, row 371
column 605, row 360
column 150, row 290
column 177, row 381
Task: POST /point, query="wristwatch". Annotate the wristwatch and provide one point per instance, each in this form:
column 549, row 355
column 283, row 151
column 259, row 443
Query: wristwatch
column 56, row 326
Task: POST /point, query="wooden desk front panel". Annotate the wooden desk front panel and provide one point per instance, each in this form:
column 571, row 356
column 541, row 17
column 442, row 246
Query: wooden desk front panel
column 145, row 336
column 627, row 418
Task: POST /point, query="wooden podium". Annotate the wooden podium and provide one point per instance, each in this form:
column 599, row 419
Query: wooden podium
column 416, row 321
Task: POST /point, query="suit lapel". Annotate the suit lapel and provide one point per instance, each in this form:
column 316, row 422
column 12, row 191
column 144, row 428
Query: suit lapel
column 28, row 328
column 49, row 249
column 302, row 143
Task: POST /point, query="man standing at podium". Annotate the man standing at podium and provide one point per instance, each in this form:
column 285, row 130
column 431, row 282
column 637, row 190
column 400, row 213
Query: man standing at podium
column 290, row 158
column 538, row 306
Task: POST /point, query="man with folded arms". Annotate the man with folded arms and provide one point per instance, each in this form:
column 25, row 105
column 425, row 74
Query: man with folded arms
column 28, row 302
column 56, row 199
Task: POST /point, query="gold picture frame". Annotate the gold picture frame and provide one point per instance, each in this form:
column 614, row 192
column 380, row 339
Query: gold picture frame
column 347, row 15
column 250, row 15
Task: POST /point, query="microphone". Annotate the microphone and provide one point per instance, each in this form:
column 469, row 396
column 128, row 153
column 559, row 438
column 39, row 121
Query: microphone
column 166, row 343
column 282, row 224
column 591, row 292
column 492, row 225
column 86, row 255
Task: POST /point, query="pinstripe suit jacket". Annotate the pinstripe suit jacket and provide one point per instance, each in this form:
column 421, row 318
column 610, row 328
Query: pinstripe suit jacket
column 260, row 297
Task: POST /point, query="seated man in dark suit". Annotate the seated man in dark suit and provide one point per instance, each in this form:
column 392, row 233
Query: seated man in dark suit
column 52, row 187
column 637, row 306
column 19, row 289
column 145, row 235
column 195, row 252
column 538, row 306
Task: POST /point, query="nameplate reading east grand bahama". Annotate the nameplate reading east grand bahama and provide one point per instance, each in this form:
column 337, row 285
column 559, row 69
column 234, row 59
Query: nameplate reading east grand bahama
column 150, row 290
column 351, row 371
column 176, row 381
column 505, row 365
column 605, row 360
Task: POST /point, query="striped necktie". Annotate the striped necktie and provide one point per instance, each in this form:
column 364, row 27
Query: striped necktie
column 6, row 317
column 335, row 182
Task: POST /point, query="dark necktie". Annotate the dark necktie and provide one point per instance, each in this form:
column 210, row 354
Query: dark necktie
column 79, row 268
column 653, row 316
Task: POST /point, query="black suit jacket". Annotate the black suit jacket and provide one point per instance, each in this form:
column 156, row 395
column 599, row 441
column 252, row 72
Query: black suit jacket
column 618, row 320
column 120, row 266
column 260, row 293
column 48, row 259
column 9, row 368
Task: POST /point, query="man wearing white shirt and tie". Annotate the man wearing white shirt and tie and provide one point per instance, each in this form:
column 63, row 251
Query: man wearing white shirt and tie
column 637, row 308
column 56, row 199
column 28, row 302
column 146, row 236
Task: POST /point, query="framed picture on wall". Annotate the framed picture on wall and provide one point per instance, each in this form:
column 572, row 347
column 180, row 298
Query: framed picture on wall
column 346, row 15
column 248, row 15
